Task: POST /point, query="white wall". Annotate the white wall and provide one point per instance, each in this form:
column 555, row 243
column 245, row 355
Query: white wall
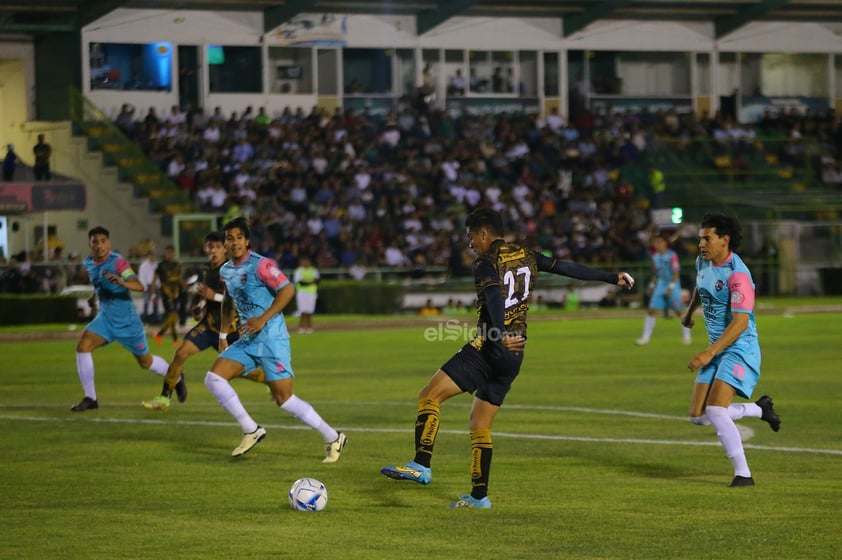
column 381, row 31
column 17, row 89
column 615, row 35
column 783, row 37
column 486, row 33
column 187, row 27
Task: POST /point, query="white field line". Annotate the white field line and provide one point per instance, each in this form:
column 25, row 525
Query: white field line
column 360, row 429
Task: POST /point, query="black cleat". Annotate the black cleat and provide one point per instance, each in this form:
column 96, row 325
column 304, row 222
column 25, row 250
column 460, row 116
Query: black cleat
column 769, row 415
column 86, row 404
column 741, row 481
column 181, row 389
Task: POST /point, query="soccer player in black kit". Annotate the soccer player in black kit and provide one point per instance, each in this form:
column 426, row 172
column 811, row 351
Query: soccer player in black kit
column 217, row 326
column 504, row 277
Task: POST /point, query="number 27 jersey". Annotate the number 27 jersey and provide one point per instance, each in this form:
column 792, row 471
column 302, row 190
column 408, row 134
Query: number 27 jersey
column 513, row 268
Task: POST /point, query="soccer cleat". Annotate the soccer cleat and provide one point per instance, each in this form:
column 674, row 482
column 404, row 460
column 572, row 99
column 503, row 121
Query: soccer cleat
column 769, row 415
column 158, row 339
column 334, row 449
column 468, row 501
column 160, row 402
column 741, row 481
column 181, row 389
column 642, row 341
column 249, row 441
column 412, row 471
column 85, row 404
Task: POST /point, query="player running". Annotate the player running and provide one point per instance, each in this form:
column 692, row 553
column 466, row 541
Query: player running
column 730, row 365
column 213, row 312
column 666, row 292
column 116, row 319
column 260, row 292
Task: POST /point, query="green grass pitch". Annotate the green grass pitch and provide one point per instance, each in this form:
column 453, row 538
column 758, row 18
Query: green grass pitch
column 593, row 454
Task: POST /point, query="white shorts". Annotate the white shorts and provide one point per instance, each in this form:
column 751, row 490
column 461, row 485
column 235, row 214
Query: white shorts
column 306, row 302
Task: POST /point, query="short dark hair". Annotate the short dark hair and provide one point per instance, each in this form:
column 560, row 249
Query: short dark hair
column 214, row 237
column 240, row 223
column 97, row 231
column 724, row 224
column 485, row 218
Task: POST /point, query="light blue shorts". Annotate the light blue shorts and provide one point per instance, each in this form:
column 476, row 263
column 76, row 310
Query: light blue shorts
column 660, row 301
column 272, row 355
column 132, row 336
column 739, row 370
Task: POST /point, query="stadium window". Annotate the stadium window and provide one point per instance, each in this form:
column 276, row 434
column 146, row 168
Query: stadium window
column 727, row 80
column 703, row 74
column 785, row 74
column 552, row 83
column 131, row 66
column 527, row 74
column 405, row 72
column 479, row 72
column 837, row 64
column 502, row 73
column 235, row 69
column 367, row 71
column 293, row 70
column 640, row 73
column 328, row 68
column 454, row 70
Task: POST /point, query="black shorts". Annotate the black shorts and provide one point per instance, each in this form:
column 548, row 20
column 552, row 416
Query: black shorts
column 488, row 373
column 203, row 337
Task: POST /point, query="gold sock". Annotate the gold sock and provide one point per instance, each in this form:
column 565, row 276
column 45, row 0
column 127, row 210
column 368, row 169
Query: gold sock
column 426, row 429
column 481, row 451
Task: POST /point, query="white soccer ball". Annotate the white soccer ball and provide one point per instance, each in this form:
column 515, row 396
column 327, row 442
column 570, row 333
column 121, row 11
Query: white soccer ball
column 308, row 494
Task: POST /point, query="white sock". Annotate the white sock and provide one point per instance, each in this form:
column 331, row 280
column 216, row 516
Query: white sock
column 227, row 397
column 747, row 410
column 702, row 420
column 159, row 365
column 85, row 368
column 648, row 326
column 685, row 332
column 304, row 412
column 735, row 412
column 729, row 437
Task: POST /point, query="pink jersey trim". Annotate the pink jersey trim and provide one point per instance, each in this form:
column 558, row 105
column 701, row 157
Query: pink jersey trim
column 270, row 274
column 742, row 292
column 123, row 268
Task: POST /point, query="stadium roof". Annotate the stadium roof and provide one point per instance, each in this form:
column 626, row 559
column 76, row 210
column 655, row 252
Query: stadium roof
column 35, row 17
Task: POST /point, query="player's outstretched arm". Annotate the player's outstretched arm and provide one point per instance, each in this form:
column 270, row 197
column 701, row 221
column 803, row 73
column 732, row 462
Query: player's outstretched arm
column 582, row 272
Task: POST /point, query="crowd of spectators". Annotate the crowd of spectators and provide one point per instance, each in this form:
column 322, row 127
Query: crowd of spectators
column 350, row 187
column 354, row 190
column 392, row 191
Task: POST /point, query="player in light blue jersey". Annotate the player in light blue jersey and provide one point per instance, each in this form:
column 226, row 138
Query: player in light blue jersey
column 730, row 365
column 116, row 319
column 260, row 292
column 666, row 289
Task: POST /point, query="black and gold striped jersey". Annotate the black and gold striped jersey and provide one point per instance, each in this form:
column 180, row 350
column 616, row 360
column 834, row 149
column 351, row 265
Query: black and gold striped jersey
column 513, row 268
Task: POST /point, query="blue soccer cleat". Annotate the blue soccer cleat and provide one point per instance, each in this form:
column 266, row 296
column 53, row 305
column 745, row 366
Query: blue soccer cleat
column 412, row 471
column 468, row 501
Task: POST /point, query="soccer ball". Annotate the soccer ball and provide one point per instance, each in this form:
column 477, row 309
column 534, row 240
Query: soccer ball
column 308, row 494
